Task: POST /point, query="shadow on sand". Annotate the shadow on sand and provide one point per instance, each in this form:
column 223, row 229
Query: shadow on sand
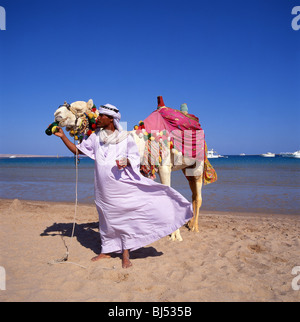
column 88, row 236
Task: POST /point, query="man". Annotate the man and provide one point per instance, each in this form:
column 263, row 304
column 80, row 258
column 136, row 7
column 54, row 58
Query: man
column 133, row 211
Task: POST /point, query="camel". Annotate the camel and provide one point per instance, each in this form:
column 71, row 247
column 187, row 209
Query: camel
column 68, row 115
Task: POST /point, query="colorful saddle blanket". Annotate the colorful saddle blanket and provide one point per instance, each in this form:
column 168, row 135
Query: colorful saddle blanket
column 167, row 128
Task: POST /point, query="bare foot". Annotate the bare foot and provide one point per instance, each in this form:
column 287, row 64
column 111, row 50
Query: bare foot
column 101, row 256
column 125, row 260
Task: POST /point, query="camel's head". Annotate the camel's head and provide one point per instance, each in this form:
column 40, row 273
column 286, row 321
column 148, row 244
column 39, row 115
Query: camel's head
column 67, row 114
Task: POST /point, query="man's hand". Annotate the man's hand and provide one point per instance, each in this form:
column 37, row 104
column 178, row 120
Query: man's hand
column 122, row 163
column 60, row 133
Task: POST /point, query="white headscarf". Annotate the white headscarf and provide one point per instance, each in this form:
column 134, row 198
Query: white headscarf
column 111, row 110
column 118, row 135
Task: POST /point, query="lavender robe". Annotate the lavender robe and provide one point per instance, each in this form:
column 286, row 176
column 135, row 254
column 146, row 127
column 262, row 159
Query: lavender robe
column 133, row 211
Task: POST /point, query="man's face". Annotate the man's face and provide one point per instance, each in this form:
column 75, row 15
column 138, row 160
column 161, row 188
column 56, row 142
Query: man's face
column 103, row 121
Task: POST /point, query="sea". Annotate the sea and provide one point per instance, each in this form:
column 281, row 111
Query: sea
column 250, row 183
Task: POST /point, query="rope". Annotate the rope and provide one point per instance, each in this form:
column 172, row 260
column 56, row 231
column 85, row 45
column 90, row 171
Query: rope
column 76, row 199
column 64, row 259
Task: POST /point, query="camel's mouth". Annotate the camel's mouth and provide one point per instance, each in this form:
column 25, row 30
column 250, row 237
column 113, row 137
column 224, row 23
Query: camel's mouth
column 58, row 118
column 61, row 121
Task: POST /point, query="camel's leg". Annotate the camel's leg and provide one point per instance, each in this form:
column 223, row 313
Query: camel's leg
column 176, row 235
column 165, row 178
column 195, row 183
column 165, row 175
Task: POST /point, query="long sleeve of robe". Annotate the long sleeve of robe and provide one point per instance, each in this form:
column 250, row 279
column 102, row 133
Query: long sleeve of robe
column 133, row 211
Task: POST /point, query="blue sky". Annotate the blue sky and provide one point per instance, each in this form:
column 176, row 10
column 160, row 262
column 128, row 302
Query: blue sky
column 236, row 64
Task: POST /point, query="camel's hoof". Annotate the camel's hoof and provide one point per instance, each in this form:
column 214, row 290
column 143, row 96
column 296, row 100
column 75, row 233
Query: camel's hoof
column 194, row 229
column 173, row 238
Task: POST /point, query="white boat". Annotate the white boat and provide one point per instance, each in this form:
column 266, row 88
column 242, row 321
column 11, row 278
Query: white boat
column 268, row 155
column 296, row 154
column 292, row 155
column 242, row 154
column 211, row 154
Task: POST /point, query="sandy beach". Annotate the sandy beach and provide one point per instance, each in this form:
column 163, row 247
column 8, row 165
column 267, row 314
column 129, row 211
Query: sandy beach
column 234, row 257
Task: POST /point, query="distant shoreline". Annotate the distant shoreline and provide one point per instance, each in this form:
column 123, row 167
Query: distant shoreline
column 15, row 156
column 27, row 156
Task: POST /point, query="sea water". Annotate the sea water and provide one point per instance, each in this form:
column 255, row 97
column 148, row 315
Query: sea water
column 245, row 183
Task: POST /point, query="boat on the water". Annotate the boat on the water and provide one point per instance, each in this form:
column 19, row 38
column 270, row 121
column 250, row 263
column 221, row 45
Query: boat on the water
column 291, row 155
column 212, row 154
column 268, row 155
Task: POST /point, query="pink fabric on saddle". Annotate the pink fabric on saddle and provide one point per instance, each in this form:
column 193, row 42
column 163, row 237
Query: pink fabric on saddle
column 155, row 122
column 185, row 131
